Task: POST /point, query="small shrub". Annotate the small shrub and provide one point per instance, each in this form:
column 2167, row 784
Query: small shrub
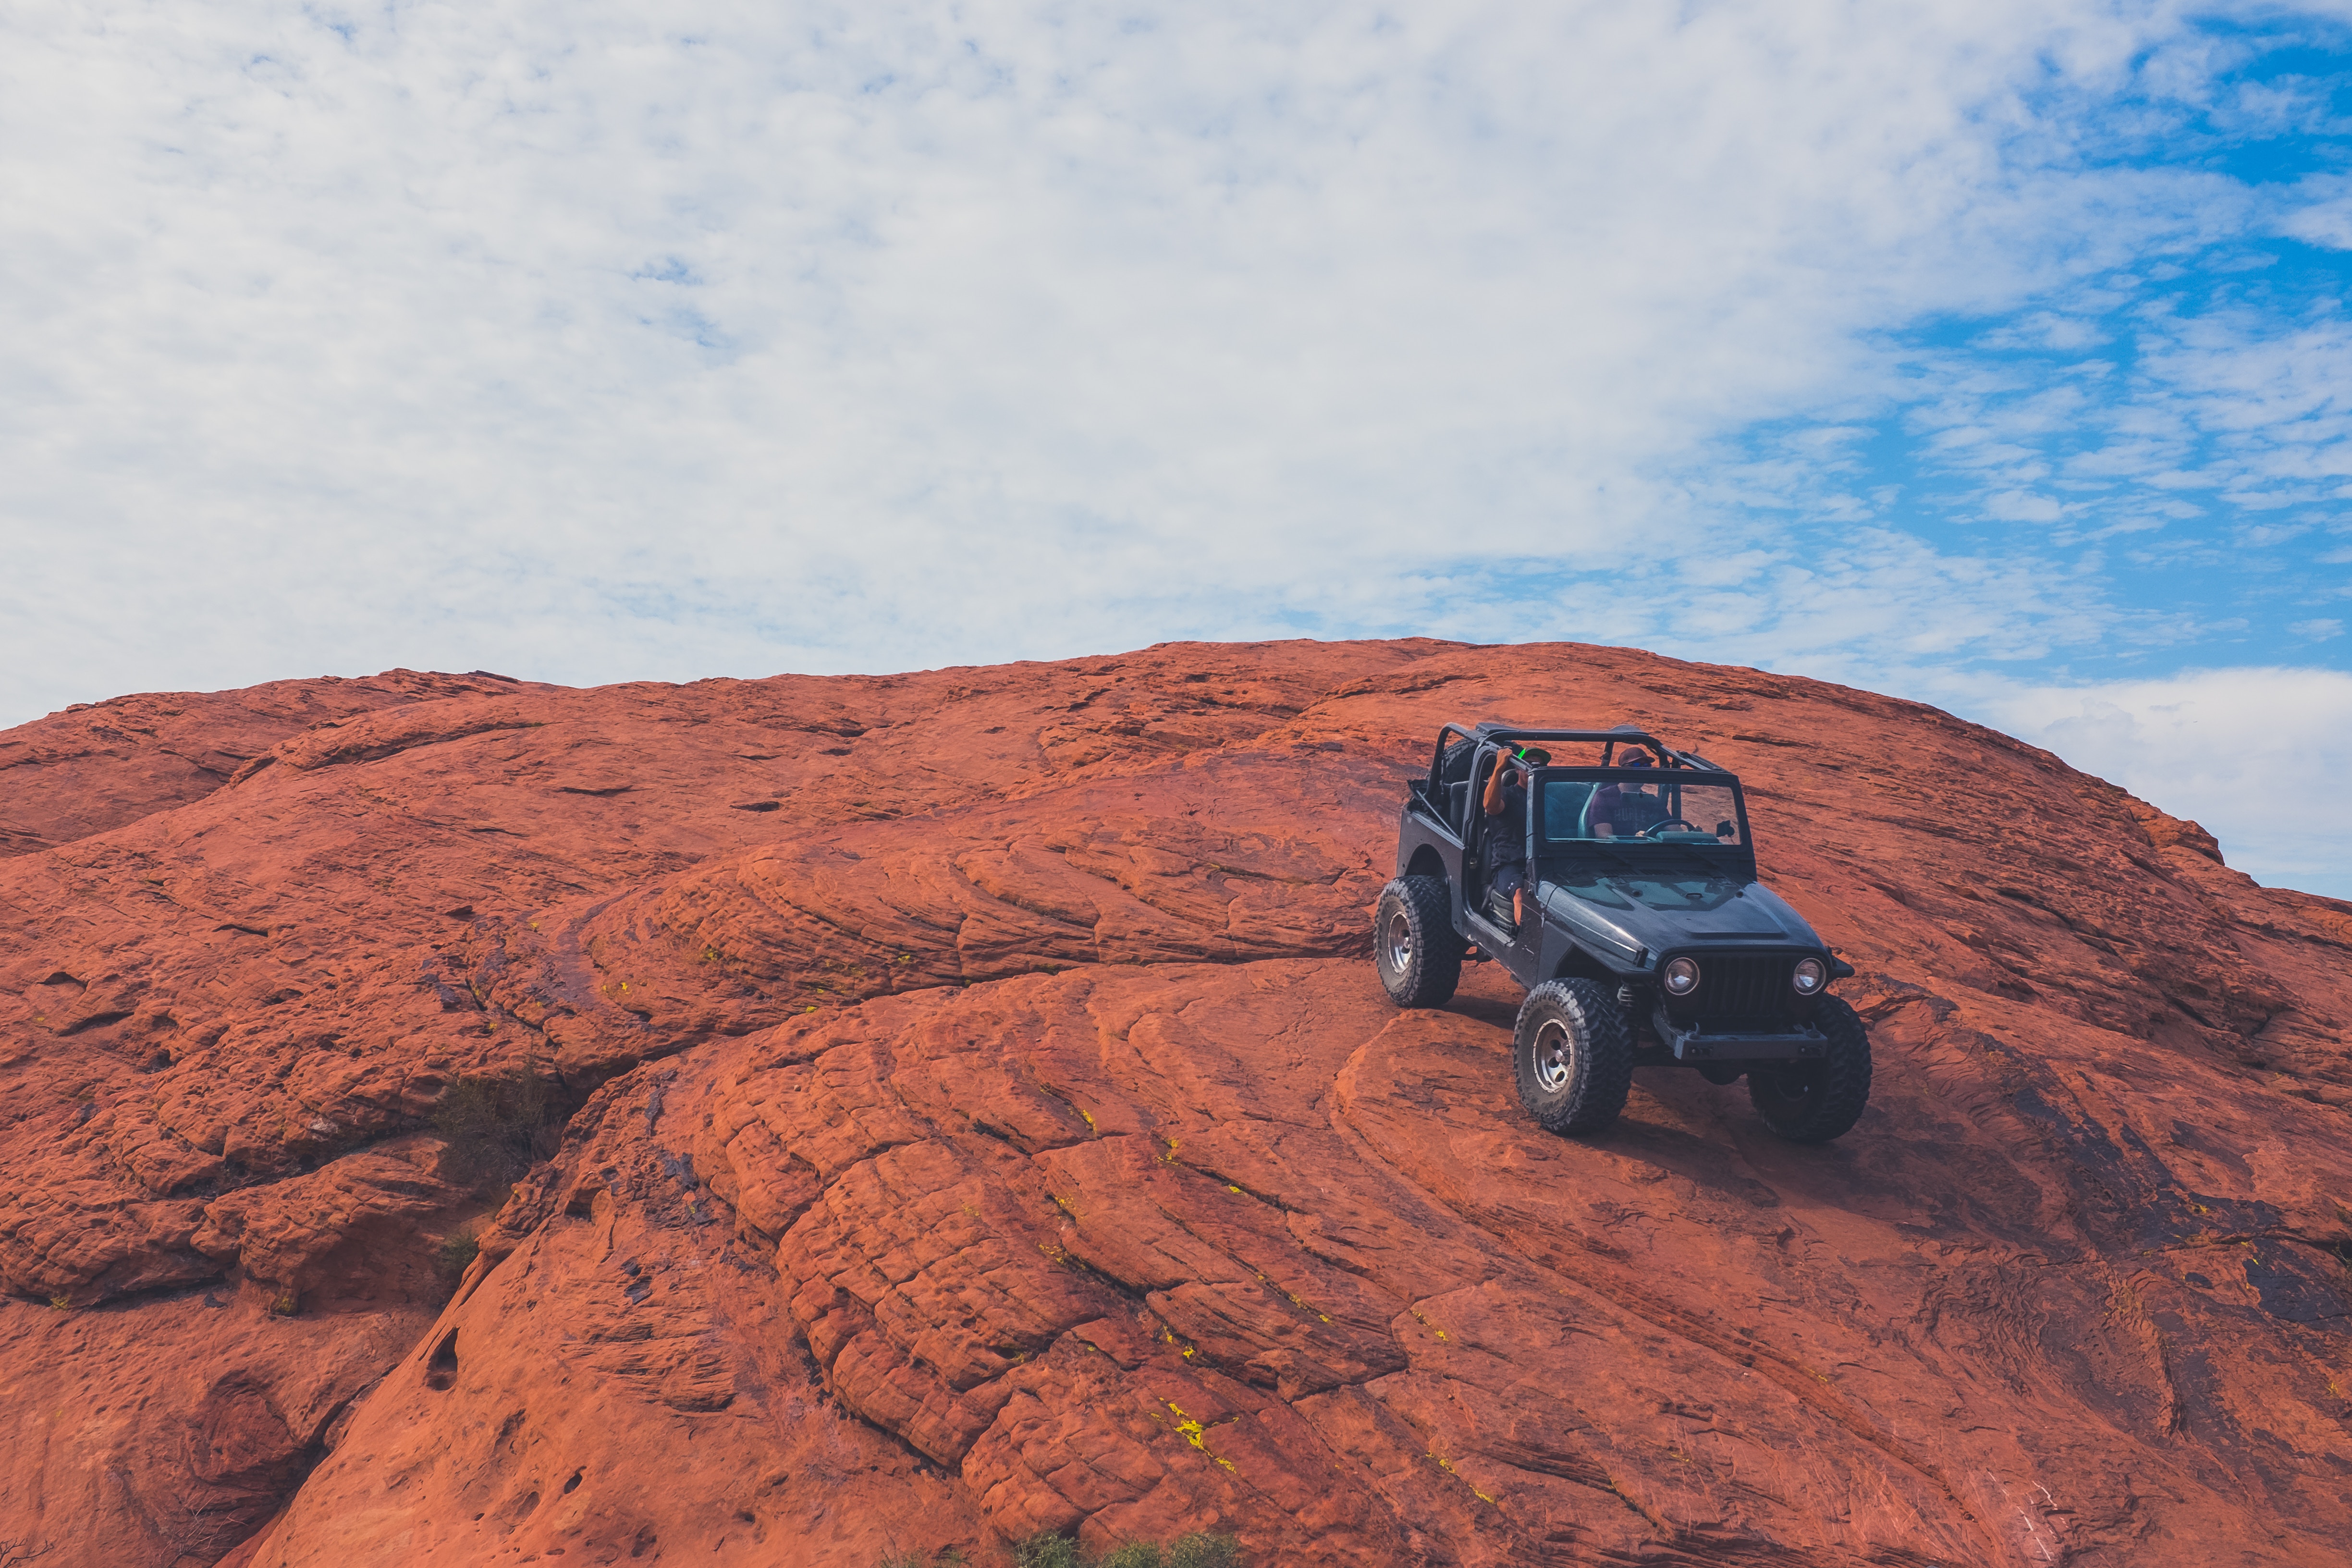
column 458, row 1249
column 496, row 1129
column 1048, row 1552
column 286, row 1305
column 1203, row 1549
column 62, row 1304
column 1198, row 1550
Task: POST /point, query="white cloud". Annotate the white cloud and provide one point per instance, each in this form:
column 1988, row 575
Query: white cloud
column 2326, row 222
column 589, row 341
column 2021, row 506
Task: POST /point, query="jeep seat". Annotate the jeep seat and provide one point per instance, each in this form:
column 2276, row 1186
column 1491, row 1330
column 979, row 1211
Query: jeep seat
column 1565, row 802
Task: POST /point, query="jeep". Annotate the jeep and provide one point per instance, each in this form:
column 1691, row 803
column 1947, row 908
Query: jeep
column 1641, row 934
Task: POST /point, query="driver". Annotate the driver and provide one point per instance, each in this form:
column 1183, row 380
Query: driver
column 1626, row 809
column 1505, row 804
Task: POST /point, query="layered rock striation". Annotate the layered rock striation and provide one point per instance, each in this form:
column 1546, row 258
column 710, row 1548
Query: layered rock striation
column 894, row 1115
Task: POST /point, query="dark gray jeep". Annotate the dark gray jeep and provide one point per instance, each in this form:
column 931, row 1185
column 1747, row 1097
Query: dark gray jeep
column 1639, row 931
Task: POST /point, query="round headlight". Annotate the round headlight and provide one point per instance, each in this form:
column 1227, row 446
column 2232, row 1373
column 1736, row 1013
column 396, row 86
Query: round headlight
column 1811, row 976
column 1682, row 976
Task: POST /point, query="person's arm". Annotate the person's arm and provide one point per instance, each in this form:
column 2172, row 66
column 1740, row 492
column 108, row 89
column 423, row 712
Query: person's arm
column 1492, row 799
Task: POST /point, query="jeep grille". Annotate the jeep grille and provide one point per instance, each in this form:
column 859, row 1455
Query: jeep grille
column 1738, row 993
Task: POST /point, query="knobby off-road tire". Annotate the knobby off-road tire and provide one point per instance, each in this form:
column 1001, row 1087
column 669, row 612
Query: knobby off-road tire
column 1574, row 1055
column 1812, row 1102
column 1414, row 944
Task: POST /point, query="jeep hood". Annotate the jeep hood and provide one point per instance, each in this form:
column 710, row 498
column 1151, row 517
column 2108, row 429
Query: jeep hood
column 1620, row 912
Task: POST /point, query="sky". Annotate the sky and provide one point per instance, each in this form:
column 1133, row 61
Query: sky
column 1991, row 354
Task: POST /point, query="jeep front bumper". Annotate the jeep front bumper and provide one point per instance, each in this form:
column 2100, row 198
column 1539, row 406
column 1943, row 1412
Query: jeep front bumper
column 1692, row 1044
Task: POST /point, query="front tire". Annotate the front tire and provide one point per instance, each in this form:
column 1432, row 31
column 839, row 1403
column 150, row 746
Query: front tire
column 1814, row 1101
column 1574, row 1056
column 1414, row 944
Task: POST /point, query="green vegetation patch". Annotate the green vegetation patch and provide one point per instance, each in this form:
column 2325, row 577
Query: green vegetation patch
column 1197, row 1550
column 497, row 1128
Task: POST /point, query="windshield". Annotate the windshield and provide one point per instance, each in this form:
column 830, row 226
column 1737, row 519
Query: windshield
column 1636, row 808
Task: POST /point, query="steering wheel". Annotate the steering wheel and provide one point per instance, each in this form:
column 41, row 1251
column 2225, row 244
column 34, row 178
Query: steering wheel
column 1657, row 827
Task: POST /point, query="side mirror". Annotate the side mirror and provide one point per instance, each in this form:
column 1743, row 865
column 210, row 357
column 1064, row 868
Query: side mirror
column 1724, row 829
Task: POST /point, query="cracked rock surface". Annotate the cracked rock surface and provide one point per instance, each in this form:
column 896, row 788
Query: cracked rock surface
column 941, row 1107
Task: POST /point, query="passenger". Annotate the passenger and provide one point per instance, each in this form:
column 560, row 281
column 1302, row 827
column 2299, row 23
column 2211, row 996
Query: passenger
column 1624, row 810
column 1505, row 803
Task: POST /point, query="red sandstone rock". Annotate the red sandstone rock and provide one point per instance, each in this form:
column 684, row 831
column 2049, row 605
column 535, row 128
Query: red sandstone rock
column 987, row 1122
column 99, row 765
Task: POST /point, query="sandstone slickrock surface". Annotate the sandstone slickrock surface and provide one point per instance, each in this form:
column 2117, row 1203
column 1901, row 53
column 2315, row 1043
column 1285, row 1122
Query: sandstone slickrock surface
column 968, row 1110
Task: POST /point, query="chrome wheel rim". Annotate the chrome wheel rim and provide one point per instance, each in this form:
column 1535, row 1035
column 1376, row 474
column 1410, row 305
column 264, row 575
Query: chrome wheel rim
column 1400, row 942
column 1553, row 1050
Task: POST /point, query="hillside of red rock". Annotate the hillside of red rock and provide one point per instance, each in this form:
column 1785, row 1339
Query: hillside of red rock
column 892, row 1116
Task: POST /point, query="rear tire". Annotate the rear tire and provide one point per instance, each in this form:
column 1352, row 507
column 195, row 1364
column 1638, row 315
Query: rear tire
column 1574, row 1057
column 1414, row 944
column 1814, row 1101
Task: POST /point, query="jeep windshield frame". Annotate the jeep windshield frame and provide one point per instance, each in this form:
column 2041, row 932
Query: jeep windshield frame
column 1578, row 846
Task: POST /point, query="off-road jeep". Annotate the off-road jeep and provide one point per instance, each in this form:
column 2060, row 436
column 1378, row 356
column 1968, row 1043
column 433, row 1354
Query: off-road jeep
column 1644, row 938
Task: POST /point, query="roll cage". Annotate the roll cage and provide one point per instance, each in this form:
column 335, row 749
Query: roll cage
column 1455, row 772
column 1501, row 734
